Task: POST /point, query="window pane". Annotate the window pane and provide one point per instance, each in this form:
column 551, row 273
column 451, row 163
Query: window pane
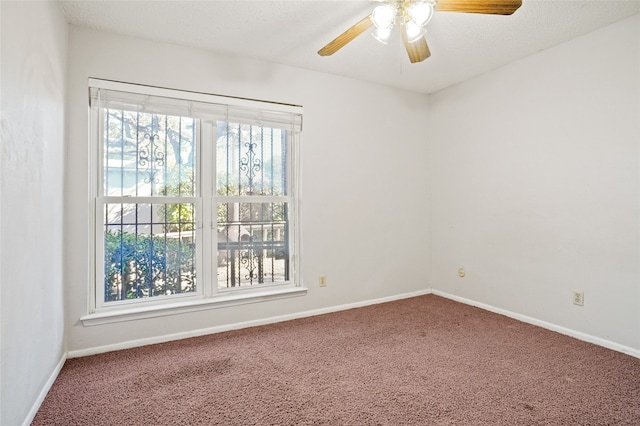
column 149, row 250
column 251, row 160
column 253, row 244
column 148, row 154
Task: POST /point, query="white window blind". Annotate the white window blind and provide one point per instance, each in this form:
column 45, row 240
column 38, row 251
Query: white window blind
column 131, row 97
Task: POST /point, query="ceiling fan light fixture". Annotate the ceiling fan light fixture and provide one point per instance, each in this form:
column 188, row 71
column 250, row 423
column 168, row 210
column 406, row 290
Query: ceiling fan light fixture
column 382, row 34
column 412, row 16
column 383, row 16
column 421, row 12
column 414, row 31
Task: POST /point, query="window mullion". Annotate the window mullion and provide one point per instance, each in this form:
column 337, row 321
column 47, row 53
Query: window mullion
column 254, row 199
column 206, row 165
column 149, row 200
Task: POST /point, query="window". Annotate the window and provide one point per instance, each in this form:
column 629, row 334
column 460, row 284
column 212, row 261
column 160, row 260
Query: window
column 195, row 196
column 252, row 205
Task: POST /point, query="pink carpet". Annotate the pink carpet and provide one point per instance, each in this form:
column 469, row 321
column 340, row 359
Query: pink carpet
column 419, row 361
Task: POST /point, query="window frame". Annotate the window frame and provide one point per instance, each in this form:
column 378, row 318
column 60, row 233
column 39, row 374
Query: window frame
column 211, row 108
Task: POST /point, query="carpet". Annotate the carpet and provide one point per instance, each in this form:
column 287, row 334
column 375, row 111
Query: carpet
column 421, row 361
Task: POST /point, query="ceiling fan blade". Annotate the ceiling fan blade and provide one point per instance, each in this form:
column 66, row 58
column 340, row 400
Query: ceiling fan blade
column 495, row 7
column 418, row 51
column 344, row 38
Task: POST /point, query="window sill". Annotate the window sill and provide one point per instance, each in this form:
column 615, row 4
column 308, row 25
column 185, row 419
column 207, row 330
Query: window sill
column 143, row 312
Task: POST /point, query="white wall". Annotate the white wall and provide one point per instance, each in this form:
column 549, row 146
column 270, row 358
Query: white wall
column 535, row 172
column 34, row 57
column 363, row 172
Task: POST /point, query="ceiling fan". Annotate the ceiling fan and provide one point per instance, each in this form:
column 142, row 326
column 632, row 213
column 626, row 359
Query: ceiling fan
column 412, row 17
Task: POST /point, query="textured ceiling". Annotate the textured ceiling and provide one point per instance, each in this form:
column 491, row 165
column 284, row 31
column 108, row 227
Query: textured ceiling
column 291, row 32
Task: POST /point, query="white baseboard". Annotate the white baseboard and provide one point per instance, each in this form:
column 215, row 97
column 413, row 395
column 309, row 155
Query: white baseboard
column 236, row 326
column 271, row 320
column 45, row 390
column 549, row 326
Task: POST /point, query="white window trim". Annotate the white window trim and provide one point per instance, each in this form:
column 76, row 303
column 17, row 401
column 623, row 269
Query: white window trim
column 178, row 307
column 207, row 296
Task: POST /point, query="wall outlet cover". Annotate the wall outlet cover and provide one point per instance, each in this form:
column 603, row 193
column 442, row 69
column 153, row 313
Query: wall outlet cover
column 578, row 298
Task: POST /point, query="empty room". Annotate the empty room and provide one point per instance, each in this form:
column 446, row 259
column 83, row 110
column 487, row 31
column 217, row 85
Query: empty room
column 320, row 212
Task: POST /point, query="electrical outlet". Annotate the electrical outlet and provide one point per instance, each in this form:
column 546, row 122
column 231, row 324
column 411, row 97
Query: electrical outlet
column 323, row 280
column 578, row 298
